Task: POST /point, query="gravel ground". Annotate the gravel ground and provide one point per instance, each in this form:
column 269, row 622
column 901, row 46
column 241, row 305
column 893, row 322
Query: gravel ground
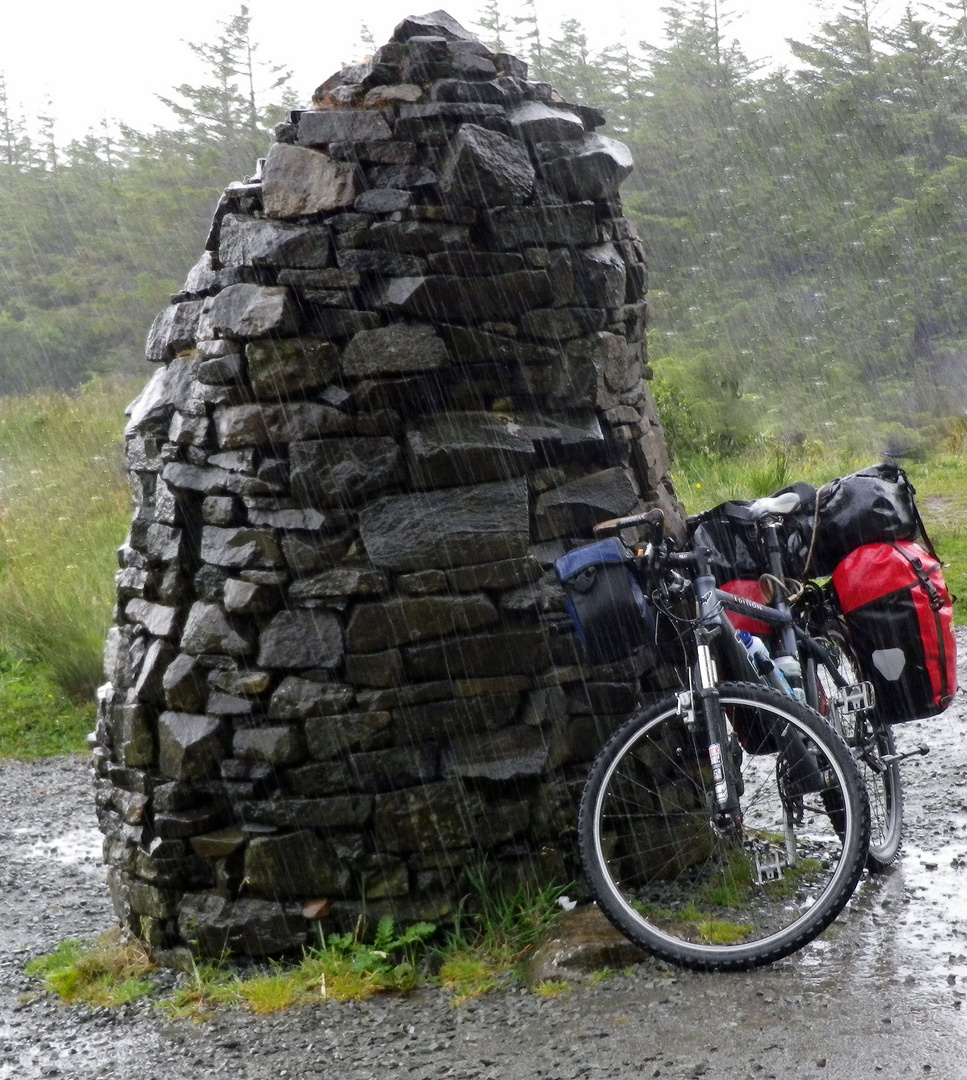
column 879, row 995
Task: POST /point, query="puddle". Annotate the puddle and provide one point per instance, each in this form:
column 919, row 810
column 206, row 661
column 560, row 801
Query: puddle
column 79, row 847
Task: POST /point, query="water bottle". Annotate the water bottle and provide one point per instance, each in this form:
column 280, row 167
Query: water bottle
column 792, row 670
column 763, row 662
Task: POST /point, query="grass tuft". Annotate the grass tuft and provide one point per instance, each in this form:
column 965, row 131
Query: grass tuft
column 106, row 972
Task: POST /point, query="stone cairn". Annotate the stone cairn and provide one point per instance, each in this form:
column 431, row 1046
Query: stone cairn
column 406, row 374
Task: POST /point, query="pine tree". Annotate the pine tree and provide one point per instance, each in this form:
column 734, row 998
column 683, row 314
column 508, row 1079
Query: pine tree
column 531, row 44
column 494, row 25
column 226, row 120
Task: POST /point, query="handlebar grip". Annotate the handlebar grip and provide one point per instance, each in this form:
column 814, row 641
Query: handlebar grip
column 649, row 517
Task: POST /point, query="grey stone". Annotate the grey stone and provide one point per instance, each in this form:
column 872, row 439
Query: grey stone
column 340, row 582
column 476, row 345
column 188, row 430
column 305, row 553
column 262, row 242
column 337, row 323
column 149, row 686
column 173, row 331
column 508, row 754
column 252, row 311
column 454, row 718
column 397, row 152
column 382, row 201
column 220, row 704
column 472, row 263
column 465, row 65
column 299, row 699
column 239, row 549
column 442, row 815
column 455, row 527
column 412, row 237
column 214, row 481
column 502, row 296
column 329, row 736
column 479, row 655
column 201, row 277
column 404, row 177
column 294, row 866
column 290, row 367
column 245, row 682
column 591, row 169
column 570, row 225
column 158, row 619
column 398, row 348
column 505, row 574
column 321, row 279
column 248, row 598
column 510, row 65
column 462, row 90
column 209, row 630
column 169, row 388
column 301, row 639
column 184, row 684
column 485, row 167
column 375, row 669
column 293, row 518
column 251, row 927
column 381, row 96
column 189, row 746
column 591, row 365
column 383, row 263
column 338, row 472
column 218, row 845
column 467, row 448
column 375, row 626
column 436, row 24
column 298, row 181
column 133, row 738
column 537, row 122
column 240, row 426
column 600, row 276
column 340, row 812
column 561, row 324
column 574, row 508
column 319, row 128
column 280, row 744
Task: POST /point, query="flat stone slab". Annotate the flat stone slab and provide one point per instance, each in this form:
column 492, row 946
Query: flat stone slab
column 580, row 942
column 298, row 181
column 397, row 349
column 454, row 527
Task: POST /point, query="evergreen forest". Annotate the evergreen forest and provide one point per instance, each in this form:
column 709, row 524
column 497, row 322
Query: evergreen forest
column 806, row 227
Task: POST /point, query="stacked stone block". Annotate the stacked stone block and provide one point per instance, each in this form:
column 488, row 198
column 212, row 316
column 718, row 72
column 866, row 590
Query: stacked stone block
column 406, row 374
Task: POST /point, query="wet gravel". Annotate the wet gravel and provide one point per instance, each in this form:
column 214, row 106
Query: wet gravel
column 879, row 995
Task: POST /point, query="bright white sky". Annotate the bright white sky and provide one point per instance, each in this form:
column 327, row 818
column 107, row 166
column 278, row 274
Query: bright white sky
column 108, row 58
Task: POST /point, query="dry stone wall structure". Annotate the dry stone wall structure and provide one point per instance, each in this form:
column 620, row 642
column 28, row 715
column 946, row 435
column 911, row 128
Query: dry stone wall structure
column 407, row 373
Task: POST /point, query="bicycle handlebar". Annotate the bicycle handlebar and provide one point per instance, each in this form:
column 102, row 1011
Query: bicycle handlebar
column 649, row 517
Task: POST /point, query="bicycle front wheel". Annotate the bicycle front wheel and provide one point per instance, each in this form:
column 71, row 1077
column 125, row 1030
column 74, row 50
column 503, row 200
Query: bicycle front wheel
column 692, row 893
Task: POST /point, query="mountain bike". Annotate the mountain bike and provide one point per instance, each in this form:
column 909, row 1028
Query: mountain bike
column 727, row 825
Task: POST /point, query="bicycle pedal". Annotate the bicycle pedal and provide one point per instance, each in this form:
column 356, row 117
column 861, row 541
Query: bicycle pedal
column 920, row 751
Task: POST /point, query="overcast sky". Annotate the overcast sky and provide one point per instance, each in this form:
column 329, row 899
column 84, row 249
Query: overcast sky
column 109, row 58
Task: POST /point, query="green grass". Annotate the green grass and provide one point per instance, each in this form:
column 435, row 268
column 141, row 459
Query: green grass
column 36, row 717
column 64, row 508
column 482, row 953
column 106, row 972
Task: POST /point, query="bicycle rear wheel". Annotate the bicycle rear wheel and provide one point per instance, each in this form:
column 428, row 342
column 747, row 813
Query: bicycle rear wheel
column 873, row 746
column 674, row 883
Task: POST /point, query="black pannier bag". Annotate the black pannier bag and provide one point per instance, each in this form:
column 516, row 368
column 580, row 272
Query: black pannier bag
column 731, row 536
column 899, row 617
column 612, row 616
column 872, row 506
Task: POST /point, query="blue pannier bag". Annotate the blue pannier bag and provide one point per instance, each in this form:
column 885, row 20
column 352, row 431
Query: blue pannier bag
column 612, row 616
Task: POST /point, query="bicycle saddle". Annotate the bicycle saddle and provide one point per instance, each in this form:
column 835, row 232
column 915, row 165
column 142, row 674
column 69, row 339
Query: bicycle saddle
column 780, row 505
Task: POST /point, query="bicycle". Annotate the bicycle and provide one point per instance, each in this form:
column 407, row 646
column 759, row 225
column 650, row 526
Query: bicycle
column 727, row 825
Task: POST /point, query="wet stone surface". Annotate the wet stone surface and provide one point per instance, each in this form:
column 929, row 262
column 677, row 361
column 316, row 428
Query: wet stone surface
column 879, row 995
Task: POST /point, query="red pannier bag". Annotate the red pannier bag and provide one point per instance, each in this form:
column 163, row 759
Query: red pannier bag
column 899, row 617
column 748, row 590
